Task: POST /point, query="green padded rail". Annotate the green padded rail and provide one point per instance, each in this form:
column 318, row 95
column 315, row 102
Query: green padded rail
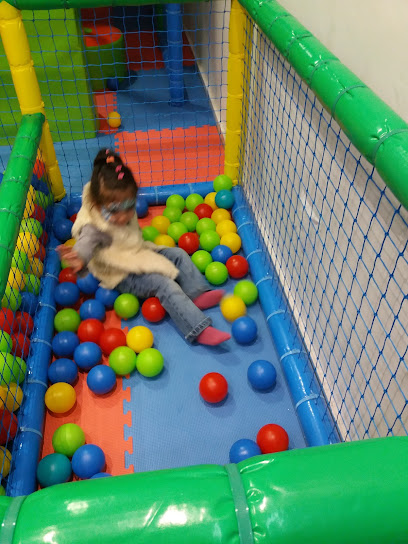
column 68, row 4
column 14, row 188
column 373, row 127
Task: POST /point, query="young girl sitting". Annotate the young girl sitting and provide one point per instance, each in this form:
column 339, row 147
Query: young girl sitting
column 110, row 245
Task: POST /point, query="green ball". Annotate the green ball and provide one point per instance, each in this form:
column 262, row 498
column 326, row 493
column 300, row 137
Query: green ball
column 176, row 230
column 122, row 360
column 67, row 439
column 31, row 225
column 11, row 299
column 247, row 290
column 201, row 259
column 190, row 220
column 150, row 233
column 205, row 224
column 6, row 364
column 150, row 362
column 192, row 201
column 126, row 306
column 216, row 273
column 176, row 201
column 33, row 284
column 209, row 239
column 42, row 199
column 172, row 213
column 2, row 491
column 18, row 370
column 20, row 260
column 67, row 320
column 6, row 345
column 222, row 182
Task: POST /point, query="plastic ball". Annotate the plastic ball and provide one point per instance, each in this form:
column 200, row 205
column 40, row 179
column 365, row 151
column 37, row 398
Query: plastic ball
column 190, row 242
column 176, row 230
column 64, row 344
column 177, row 201
column 216, row 273
column 165, row 240
column 60, row 397
column 67, row 275
column 20, row 260
column 244, row 330
column 262, row 375
column 209, row 239
column 63, row 370
column 31, row 225
column 237, row 267
column 36, row 267
column 5, row 461
column 220, row 215
column 222, row 183
column 224, row 199
column 106, row 296
column 8, row 427
column 172, row 213
column 231, row 240
column 126, row 306
column 203, row 211
column 112, row 84
column 16, row 279
column 33, row 284
column 21, row 344
column 88, row 284
column 70, row 243
column 6, row 365
column 160, row 223
column 213, row 387
column 88, row 460
column 18, row 369
column 62, row 229
column 100, row 475
column 11, row 397
column 114, row 119
column 13, row 300
column 66, row 294
column 201, row 259
column 68, row 438
column 142, row 207
column 193, row 200
column 74, row 206
column 210, row 200
column 101, row 379
column 53, row 469
column 272, row 438
column 6, row 320
column 243, row 449
column 87, row 355
column 111, row 339
column 92, row 309
column 247, row 290
column 23, row 322
column 152, row 310
column 27, row 243
column 6, row 343
column 139, row 338
column 38, row 214
column 67, row 320
column 150, row 362
column 90, row 330
column 221, row 254
column 190, row 220
column 150, row 233
column 232, row 307
column 29, row 207
column 42, row 199
column 226, row 226
column 204, row 225
column 41, row 253
column 122, row 360
column 44, row 238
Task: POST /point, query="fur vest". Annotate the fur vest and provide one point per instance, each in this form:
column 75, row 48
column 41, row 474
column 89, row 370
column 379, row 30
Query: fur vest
column 128, row 253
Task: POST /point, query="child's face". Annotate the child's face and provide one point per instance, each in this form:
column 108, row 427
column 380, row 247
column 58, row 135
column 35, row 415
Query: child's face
column 119, row 207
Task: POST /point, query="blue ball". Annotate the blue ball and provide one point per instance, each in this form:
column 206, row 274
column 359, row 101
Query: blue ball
column 64, row 344
column 63, row 370
column 66, row 294
column 225, row 199
column 88, row 284
column 244, row 330
column 92, row 309
column 87, row 355
column 142, row 207
column 88, row 460
column 262, row 375
column 100, row 475
column 101, row 379
column 243, row 449
column 106, row 296
column 39, row 185
column 29, row 302
column 112, row 83
column 54, row 469
column 62, row 229
column 74, row 206
column 221, row 254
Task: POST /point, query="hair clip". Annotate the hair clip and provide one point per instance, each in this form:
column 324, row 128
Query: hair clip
column 121, row 175
column 109, row 159
column 118, row 168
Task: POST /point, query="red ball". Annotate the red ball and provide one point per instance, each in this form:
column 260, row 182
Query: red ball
column 152, row 310
column 67, row 274
column 272, row 438
column 190, row 242
column 6, row 320
column 90, row 330
column 73, row 217
column 203, row 210
column 38, row 213
column 24, row 323
column 21, row 345
column 111, row 339
column 237, row 266
column 213, row 387
column 44, row 238
column 39, row 168
column 40, row 253
column 8, row 427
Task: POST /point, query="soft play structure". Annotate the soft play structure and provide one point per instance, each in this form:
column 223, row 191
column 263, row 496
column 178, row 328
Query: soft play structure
column 315, row 175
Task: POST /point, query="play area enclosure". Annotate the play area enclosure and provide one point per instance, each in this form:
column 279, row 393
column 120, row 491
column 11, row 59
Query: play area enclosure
column 320, row 165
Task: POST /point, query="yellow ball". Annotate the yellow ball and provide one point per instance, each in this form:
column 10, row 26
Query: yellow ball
column 5, row 461
column 16, row 279
column 220, row 215
column 29, row 207
column 31, row 193
column 210, row 200
column 28, row 243
column 226, row 226
column 164, row 240
column 11, row 397
column 60, row 397
column 139, row 338
column 161, row 223
column 114, row 119
column 232, row 307
column 231, row 240
column 70, row 243
column 35, row 267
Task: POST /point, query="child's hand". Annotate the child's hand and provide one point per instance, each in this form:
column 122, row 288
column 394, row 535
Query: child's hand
column 71, row 257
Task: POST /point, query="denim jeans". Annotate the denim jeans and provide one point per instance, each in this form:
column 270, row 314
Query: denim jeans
column 176, row 296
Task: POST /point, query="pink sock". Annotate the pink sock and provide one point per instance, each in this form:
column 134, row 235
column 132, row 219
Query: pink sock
column 209, row 299
column 212, row 337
